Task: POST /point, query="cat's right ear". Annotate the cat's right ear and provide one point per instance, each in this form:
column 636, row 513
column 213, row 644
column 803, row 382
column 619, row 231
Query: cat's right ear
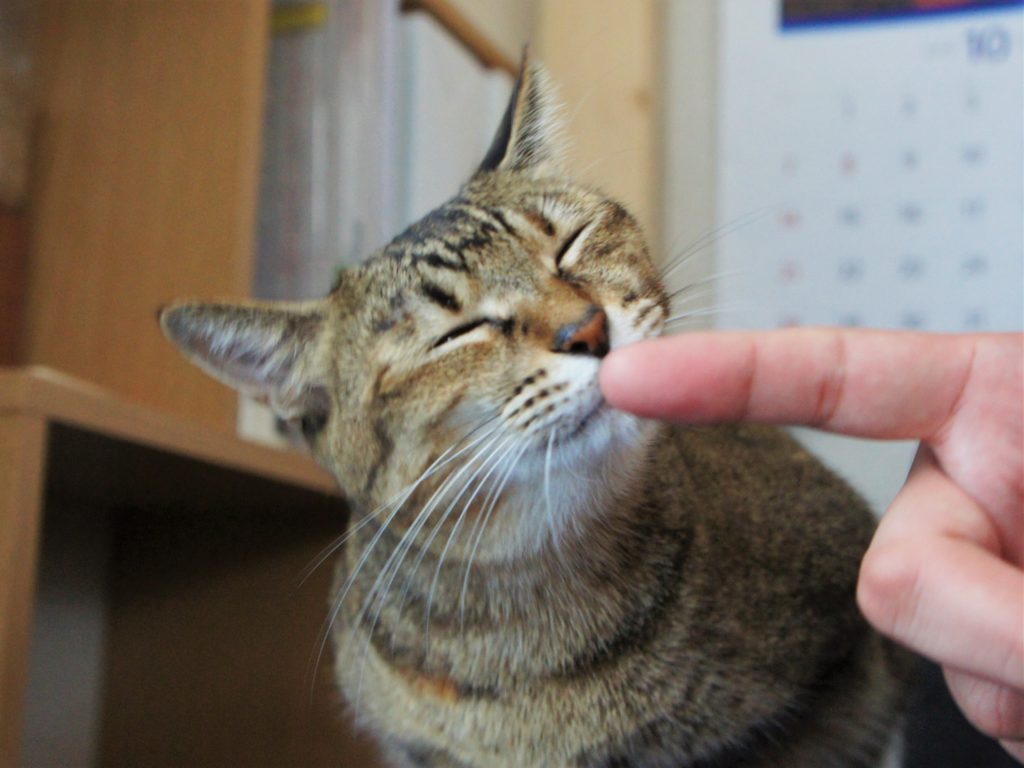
column 266, row 350
column 529, row 138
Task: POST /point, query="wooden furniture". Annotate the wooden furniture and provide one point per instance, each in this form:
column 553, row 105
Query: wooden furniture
column 208, row 638
column 143, row 188
column 13, row 263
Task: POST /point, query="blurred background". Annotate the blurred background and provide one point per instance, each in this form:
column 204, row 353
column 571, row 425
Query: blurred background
column 794, row 162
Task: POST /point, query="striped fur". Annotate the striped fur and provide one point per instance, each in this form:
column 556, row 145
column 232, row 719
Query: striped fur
column 531, row 578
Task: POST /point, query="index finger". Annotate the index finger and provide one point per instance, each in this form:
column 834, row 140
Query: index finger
column 878, row 384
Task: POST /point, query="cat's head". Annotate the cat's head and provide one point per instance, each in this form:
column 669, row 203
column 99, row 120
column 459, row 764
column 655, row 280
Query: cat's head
column 467, row 349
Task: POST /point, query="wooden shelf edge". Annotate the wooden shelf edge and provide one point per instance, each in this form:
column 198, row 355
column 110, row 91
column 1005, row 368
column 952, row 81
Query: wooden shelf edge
column 55, row 396
column 482, row 47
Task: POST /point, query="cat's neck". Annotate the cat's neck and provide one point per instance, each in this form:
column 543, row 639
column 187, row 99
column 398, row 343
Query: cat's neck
column 547, row 507
column 535, row 610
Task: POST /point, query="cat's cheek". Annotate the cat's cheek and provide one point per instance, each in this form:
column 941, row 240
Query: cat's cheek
column 641, row 320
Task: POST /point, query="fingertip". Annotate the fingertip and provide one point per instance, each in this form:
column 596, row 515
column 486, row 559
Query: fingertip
column 674, row 378
column 644, row 379
column 613, row 376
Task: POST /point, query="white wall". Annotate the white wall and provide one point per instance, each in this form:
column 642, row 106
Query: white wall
column 691, row 97
column 451, row 110
column 689, row 94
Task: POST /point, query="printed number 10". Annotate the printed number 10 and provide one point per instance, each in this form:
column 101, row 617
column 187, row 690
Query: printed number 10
column 990, row 43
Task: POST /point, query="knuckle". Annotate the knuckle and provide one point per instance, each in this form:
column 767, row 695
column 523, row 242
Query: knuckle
column 1012, row 664
column 887, row 589
column 992, row 708
column 997, row 711
column 832, row 383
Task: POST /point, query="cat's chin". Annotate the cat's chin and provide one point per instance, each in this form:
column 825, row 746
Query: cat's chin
column 552, row 494
column 599, row 439
column 589, row 419
column 580, row 429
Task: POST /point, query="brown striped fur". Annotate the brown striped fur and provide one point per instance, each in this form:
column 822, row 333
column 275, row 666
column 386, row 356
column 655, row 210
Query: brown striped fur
column 532, row 578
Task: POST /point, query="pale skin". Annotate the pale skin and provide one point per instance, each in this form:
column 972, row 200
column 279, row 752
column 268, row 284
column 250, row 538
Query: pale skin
column 944, row 574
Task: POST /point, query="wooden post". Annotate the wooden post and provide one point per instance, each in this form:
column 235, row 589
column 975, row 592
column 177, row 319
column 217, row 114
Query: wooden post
column 22, row 459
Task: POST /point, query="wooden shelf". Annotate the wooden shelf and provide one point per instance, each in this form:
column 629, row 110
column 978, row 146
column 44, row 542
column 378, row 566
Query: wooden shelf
column 59, row 398
column 206, row 534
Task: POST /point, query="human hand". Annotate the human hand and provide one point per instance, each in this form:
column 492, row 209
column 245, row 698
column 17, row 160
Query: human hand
column 944, row 574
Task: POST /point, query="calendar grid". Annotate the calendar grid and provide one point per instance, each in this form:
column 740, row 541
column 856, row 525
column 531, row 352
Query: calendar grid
column 892, row 160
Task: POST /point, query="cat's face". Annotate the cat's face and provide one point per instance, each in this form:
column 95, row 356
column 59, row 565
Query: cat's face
column 470, row 344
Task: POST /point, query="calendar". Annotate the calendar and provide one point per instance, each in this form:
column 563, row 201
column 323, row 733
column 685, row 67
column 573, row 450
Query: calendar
column 870, row 164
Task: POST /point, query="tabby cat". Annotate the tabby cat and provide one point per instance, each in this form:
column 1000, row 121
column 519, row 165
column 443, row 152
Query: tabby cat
column 533, row 578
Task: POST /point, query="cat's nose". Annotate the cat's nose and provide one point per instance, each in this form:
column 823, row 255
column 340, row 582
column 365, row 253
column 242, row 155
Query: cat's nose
column 586, row 336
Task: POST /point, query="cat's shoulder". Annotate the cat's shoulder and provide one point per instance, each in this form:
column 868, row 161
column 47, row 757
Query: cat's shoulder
column 760, row 477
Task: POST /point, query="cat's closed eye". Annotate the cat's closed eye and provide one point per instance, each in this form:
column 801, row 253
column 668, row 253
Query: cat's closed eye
column 566, row 255
column 462, row 330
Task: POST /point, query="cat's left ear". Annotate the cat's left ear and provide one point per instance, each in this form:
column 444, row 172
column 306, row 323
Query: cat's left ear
column 529, row 138
column 266, row 350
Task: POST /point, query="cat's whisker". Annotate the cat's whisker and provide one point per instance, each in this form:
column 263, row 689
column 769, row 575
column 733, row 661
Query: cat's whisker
column 547, row 479
column 399, row 502
column 490, row 504
column 436, row 466
column 584, row 98
column 465, row 507
column 477, row 523
column 423, row 550
column 712, row 234
column 399, row 551
column 708, row 237
column 332, row 615
column 439, row 463
column 604, row 158
column 325, row 554
column 706, row 312
column 398, row 554
column 497, row 459
column 393, row 563
column 682, row 258
column 693, row 298
column 704, row 282
column 487, row 499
